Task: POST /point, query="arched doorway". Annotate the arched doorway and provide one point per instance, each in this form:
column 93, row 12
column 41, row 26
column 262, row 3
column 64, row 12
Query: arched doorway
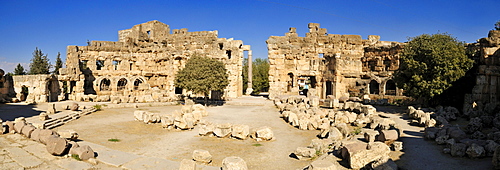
column 137, row 83
column 374, row 87
column 390, row 88
column 104, row 86
column 122, row 83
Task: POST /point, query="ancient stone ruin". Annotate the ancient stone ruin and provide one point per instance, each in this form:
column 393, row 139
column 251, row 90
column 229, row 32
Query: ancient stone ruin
column 337, row 65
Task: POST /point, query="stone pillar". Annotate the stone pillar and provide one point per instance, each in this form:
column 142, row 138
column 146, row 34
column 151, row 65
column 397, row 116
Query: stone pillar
column 249, row 84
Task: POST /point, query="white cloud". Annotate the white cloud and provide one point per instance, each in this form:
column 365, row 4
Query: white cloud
column 9, row 67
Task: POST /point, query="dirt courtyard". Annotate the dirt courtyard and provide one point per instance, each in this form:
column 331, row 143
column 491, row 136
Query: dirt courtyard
column 154, row 141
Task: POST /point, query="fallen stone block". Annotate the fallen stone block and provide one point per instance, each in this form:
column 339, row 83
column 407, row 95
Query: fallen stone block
column 45, row 134
column 74, row 107
column 361, row 158
column 43, row 116
column 187, row 164
column 51, row 108
column 264, row 133
column 68, row 134
column 334, row 134
column 27, row 130
column 323, row 165
column 370, row 135
column 475, row 151
column 202, row 156
column 18, row 126
column 10, row 127
column 56, row 145
column 388, row 135
column 206, row 129
column 84, row 152
column 234, row 163
column 240, row 131
column 222, row 130
column 397, row 146
column 138, row 115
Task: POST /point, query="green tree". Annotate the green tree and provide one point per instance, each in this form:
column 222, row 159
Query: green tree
column 39, row 63
column 19, row 70
column 497, row 25
column 59, row 63
column 202, row 75
column 430, row 64
column 260, row 75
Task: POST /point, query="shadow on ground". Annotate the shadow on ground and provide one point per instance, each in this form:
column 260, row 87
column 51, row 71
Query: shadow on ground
column 8, row 112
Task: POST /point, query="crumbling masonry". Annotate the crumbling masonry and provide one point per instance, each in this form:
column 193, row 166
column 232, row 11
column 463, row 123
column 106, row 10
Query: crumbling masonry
column 336, row 65
column 142, row 65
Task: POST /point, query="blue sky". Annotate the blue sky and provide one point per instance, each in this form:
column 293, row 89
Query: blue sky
column 53, row 25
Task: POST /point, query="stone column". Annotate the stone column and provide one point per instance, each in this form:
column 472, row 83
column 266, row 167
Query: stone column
column 249, row 84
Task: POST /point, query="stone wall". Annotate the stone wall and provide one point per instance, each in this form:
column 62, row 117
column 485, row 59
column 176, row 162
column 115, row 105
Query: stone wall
column 37, row 88
column 6, row 91
column 144, row 62
column 485, row 95
column 337, row 65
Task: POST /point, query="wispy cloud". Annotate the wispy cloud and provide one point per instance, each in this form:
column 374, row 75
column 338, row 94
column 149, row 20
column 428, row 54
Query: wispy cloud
column 9, row 67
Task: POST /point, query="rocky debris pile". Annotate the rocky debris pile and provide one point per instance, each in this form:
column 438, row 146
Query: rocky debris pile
column 236, row 131
column 353, row 131
column 478, row 138
column 186, row 119
column 57, row 144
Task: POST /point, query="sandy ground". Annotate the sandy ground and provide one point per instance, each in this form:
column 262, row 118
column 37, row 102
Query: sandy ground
column 154, row 141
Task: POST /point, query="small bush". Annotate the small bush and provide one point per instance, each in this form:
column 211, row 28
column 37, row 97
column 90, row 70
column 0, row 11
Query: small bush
column 98, row 107
column 76, row 157
column 257, row 144
column 114, row 140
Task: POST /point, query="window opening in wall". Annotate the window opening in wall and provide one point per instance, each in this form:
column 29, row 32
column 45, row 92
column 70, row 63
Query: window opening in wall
column 228, row 52
column 149, row 34
column 104, row 86
column 115, row 64
column 321, row 55
column 374, row 87
column 178, row 90
column 290, row 82
column 99, row 64
column 329, row 88
column 390, row 88
column 121, row 84
column 137, row 83
column 130, row 66
column 221, row 46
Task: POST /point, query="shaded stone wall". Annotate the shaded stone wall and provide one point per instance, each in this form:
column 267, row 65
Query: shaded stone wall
column 485, row 95
column 337, row 65
column 142, row 65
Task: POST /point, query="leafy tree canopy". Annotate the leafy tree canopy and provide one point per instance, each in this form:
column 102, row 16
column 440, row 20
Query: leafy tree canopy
column 497, row 25
column 39, row 63
column 202, row 75
column 429, row 65
column 19, row 70
column 260, row 75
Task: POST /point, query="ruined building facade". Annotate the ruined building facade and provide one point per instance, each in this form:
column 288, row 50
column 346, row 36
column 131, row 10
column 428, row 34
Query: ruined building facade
column 485, row 95
column 142, row 65
column 332, row 64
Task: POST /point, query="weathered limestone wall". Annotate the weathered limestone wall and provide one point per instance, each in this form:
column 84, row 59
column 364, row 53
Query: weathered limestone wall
column 40, row 88
column 145, row 60
column 485, row 95
column 338, row 65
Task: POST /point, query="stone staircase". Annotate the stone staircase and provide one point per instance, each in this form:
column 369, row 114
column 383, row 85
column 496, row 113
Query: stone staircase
column 58, row 120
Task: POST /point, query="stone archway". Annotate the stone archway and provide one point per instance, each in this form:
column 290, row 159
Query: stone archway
column 374, row 87
column 137, row 83
column 390, row 88
column 104, row 85
column 122, row 84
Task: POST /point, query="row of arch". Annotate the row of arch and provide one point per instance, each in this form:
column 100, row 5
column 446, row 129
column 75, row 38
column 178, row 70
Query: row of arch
column 388, row 87
column 121, row 84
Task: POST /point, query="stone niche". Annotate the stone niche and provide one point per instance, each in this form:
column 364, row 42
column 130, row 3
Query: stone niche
column 332, row 64
column 142, row 65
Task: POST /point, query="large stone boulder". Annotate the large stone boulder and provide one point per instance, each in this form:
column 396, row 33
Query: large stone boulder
column 388, row 135
column 323, row 165
column 206, row 128
column 304, row 152
column 56, row 145
column 360, row 158
column 68, row 134
column 138, row 115
column 264, row 133
column 240, row 131
column 475, row 151
column 223, row 130
column 234, row 163
column 84, row 152
column 370, row 135
column 458, row 149
column 202, row 156
column 334, row 134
